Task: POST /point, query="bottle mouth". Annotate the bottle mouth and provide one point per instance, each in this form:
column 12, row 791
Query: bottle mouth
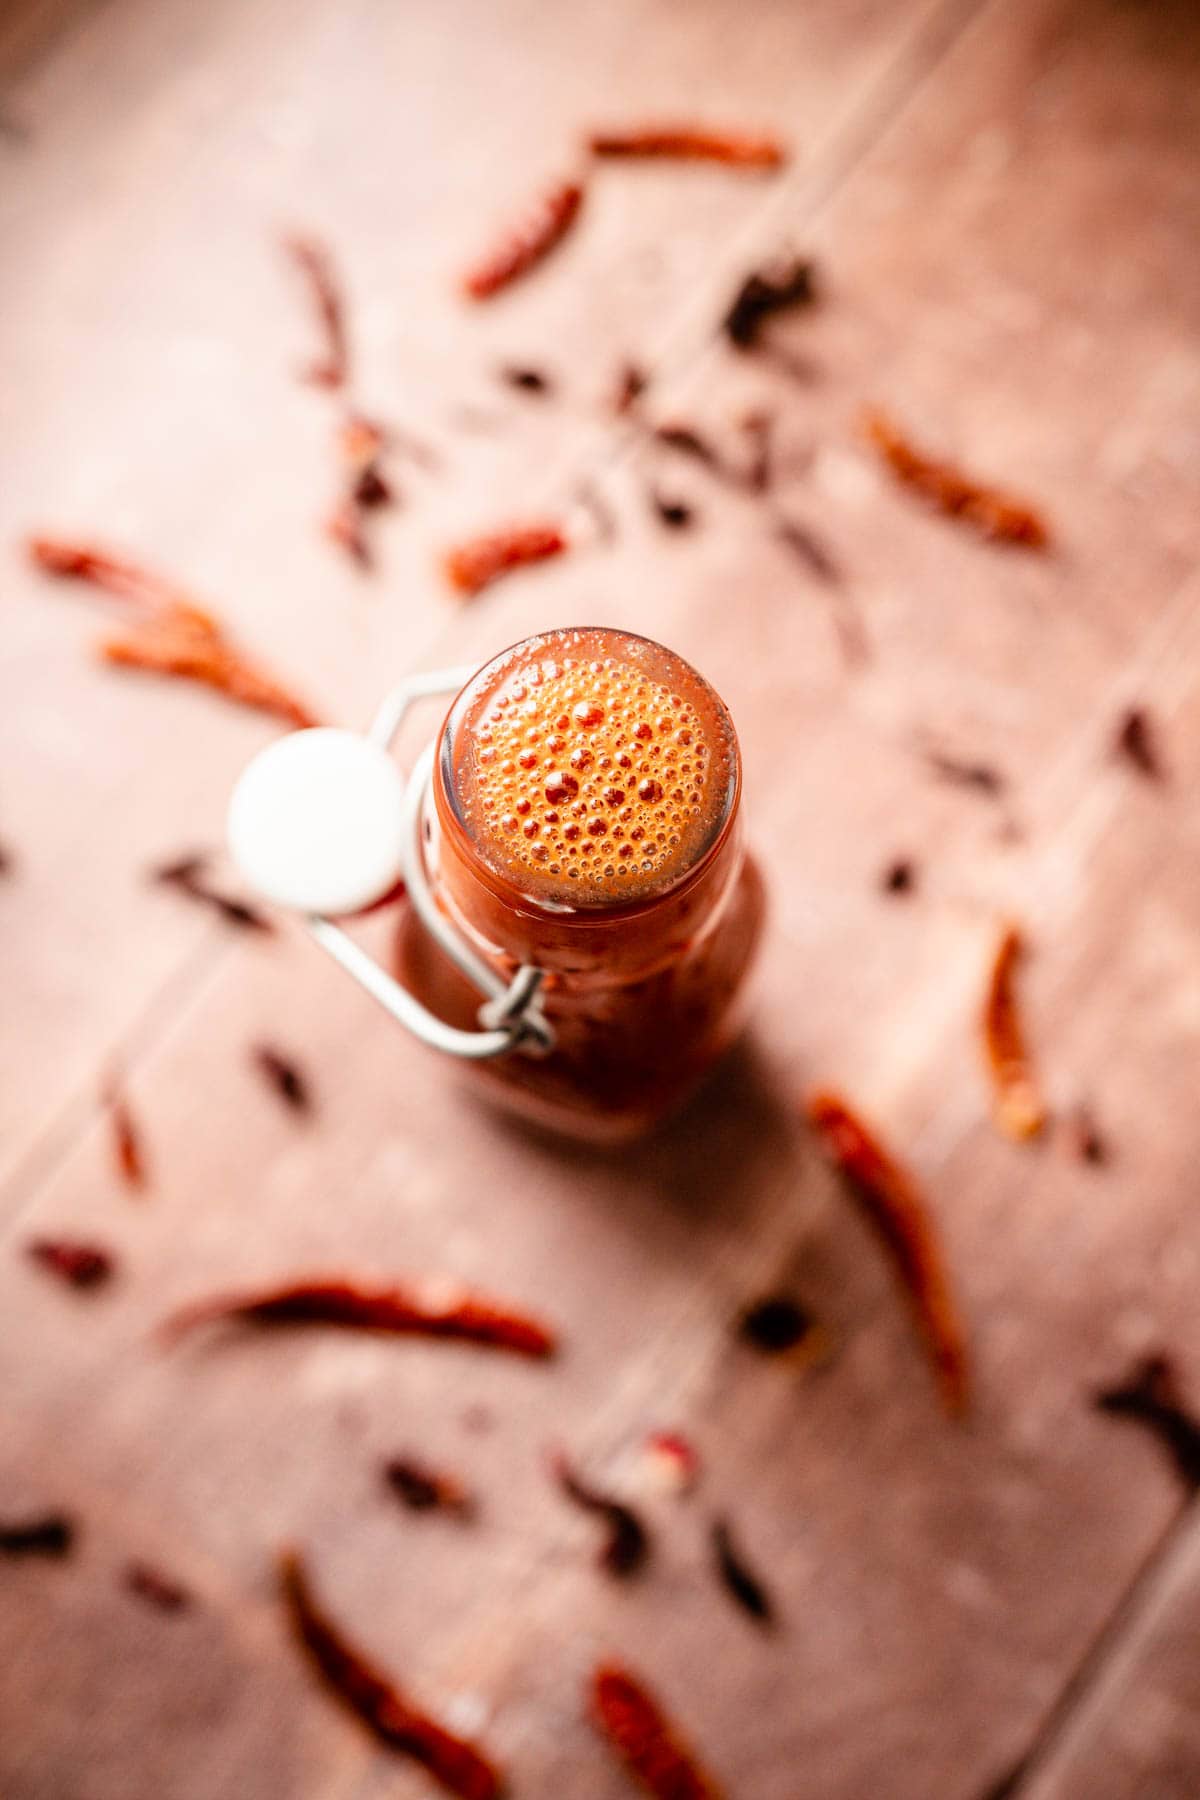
column 589, row 770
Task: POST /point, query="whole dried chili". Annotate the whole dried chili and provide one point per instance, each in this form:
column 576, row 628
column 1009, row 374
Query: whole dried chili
column 898, row 1211
column 1018, row 1107
column 526, row 242
column 626, row 1542
column 444, row 1312
column 775, row 1323
column 993, row 514
column 425, row 1489
column 738, row 1577
column 476, row 563
column 186, row 874
column 46, row 1534
column 1136, row 741
column 313, row 260
column 1151, row 1397
column 172, row 635
column 284, row 1075
column 766, row 292
column 80, row 1265
column 691, row 143
column 157, row 1589
column 673, row 1461
column 383, row 1708
column 983, row 778
column 126, row 1138
column 643, row 1736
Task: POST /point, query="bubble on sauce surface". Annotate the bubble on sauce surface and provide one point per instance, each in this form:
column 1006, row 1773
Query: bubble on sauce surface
column 538, row 815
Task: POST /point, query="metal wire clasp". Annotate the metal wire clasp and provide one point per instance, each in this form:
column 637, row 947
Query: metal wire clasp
column 511, row 1016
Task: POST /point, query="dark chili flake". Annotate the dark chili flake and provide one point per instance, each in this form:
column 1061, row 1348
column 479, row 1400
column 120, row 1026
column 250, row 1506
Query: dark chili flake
column 524, row 244
column 1086, row 1139
column 676, row 515
column 774, row 1324
column 807, row 548
column 897, row 1209
column 386, row 1711
column 157, row 1589
column 766, row 292
column 315, row 264
column 1151, row 1396
column 983, row 778
column 80, row 1265
column 285, row 1076
column 187, row 875
column 900, row 876
column 626, row 1542
column 444, row 1311
column 759, row 427
column 993, row 514
column 691, row 143
column 126, row 1137
column 688, row 442
column 649, row 1745
column 425, row 1489
column 526, row 379
column 738, row 1577
column 1137, row 742
column 47, row 1534
column 476, row 563
column 632, row 383
column 1018, row 1107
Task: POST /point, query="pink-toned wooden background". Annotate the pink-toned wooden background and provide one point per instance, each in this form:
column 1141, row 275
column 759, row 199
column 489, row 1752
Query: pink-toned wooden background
column 1003, row 199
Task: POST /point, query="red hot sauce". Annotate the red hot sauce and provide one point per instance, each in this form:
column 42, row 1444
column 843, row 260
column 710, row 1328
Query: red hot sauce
column 584, row 817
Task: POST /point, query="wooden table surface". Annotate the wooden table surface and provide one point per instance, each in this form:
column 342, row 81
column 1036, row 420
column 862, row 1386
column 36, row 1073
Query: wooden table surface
column 1002, row 198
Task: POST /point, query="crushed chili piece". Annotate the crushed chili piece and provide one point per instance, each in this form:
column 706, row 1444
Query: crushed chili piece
column 644, row 1737
column 80, row 1265
column 632, row 383
column 47, row 1534
column 171, row 634
column 775, row 1323
column 676, row 515
column 626, row 1542
column 759, row 427
column 1087, row 1140
column 344, row 527
column 316, row 266
column 526, row 379
column 673, row 1461
column 983, row 777
column 459, row 1766
column 1151, row 1396
column 897, row 1209
column 900, row 876
column 128, row 1152
column 805, row 545
column 288, row 1080
column 151, row 1585
column 447, row 1312
column 691, row 143
column 689, row 442
column 1137, row 742
column 766, row 292
column 738, row 1577
column 424, row 1489
column 1018, row 1107
column 361, row 446
column 186, row 874
column 993, row 514
column 476, row 563
column 526, row 242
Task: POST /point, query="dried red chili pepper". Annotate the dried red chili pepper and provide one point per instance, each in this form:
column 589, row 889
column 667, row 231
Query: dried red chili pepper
column 1137, row 742
column 526, row 242
column 151, row 1585
column 186, row 875
column 738, row 1577
column 288, row 1080
column 81, row 1265
column 449, row 1312
column 424, row 1489
column 151, row 594
column 47, row 1534
column 775, row 1323
column 379, row 1703
column 475, row 564
column 676, row 515
column 983, row 777
column 766, row 292
column 673, row 1460
column 639, row 1730
column 316, row 266
column 691, row 143
column 1017, row 1104
column 898, row 1211
column 1151, row 1396
column 994, row 514
column 626, row 1543
column 900, row 876
column 126, row 1137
